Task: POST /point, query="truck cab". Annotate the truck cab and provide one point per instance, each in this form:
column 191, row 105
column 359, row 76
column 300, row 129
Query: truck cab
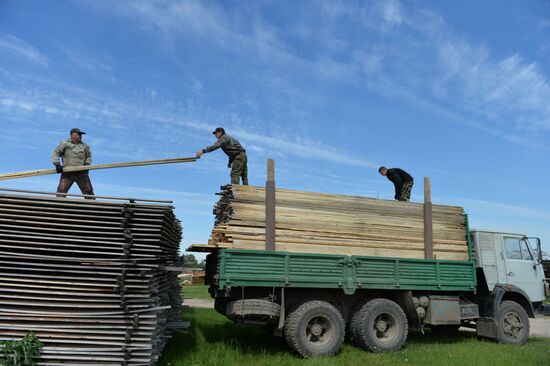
column 509, row 260
column 510, row 278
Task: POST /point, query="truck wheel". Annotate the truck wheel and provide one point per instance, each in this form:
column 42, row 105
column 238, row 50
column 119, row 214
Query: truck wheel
column 447, row 329
column 220, row 305
column 513, row 323
column 315, row 328
column 380, row 325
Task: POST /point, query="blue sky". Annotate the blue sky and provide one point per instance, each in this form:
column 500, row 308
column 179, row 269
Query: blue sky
column 458, row 91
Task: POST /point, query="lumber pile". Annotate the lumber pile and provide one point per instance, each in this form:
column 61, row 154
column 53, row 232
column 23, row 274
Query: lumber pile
column 89, row 278
column 310, row 222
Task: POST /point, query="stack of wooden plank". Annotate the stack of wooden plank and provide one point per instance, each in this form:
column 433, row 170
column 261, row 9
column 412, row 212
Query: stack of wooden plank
column 89, row 278
column 311, row 222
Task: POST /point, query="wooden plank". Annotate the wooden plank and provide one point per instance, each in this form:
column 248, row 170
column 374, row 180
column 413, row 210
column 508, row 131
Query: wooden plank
column 80, row 168
column 201, row 248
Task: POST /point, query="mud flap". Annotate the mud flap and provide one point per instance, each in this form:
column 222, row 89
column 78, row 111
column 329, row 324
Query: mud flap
column 487, row 327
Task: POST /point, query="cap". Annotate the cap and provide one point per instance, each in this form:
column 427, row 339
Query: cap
column 219, row 129
column 77, row 130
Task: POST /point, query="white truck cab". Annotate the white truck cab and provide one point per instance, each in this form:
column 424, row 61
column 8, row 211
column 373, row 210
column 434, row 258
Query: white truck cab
column 510, row 260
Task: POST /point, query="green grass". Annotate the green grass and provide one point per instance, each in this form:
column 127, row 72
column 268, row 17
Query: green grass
column 199, row 292
column 214, row 340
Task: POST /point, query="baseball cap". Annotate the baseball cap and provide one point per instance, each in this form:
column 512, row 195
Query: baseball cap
column 77, row 130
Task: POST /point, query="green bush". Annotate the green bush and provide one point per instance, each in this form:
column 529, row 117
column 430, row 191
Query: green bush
column 20, row 353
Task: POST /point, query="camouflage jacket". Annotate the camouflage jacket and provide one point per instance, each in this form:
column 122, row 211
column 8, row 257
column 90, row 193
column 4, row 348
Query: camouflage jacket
column 228, row 144
column 72, row 154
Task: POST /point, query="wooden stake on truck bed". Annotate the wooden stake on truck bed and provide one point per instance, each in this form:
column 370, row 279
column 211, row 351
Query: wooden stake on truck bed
column 34, row 173
column 428, row 227
column 270, row 206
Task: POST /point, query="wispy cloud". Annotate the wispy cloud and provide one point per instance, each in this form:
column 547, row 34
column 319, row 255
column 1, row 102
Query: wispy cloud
column 93, row 64
column 413, row 49
column 15, row 47
column 90, row 108
column 504, row 216
column 421, row 57
column 495, row 88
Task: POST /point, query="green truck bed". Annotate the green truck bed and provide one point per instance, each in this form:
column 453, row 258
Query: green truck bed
column 260, row 268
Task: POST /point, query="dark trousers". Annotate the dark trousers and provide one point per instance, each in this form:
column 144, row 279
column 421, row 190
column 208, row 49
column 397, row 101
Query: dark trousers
column 239, row 169
column 405, row 194
column 82, row 179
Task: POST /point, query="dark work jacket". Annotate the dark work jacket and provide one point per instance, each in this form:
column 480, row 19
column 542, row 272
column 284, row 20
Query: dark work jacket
column 228, row 144
column 398, row 177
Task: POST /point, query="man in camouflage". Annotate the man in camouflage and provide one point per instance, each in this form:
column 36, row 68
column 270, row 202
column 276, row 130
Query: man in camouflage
column 235, row 152
column 73, row 152
column 402, row 181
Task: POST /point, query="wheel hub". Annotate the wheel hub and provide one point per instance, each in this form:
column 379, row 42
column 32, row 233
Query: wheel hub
column 512, row 325
column 381, row 326
column 316, row 330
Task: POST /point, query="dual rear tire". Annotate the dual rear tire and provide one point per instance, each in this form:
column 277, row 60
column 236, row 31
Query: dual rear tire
column 317, row 328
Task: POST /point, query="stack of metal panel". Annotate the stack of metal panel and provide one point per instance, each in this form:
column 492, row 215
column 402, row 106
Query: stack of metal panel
column 91, row 278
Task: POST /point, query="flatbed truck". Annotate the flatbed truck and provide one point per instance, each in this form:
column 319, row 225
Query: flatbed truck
column 316, row 300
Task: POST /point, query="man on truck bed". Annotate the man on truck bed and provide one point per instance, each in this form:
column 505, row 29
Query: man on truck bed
column 402, row 181
column 235, row 152
column 73, row 152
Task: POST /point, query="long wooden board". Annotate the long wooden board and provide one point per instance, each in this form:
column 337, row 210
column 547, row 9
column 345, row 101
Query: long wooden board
column 80, row 168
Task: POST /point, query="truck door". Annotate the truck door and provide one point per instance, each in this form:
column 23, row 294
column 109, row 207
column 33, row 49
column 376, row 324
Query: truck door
column 521, row 268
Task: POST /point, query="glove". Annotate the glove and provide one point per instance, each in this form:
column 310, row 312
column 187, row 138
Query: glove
column 58, row 168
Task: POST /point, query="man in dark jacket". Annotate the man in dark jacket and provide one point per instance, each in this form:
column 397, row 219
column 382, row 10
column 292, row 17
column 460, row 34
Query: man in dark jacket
column 402, row 181
column 235, row 152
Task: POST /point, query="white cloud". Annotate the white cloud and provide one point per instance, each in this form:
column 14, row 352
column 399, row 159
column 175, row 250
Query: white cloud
column 16, row 47
column 391, row 11
column 417, row 51
column 93, row 64
column 495, row 88
column 102, row 111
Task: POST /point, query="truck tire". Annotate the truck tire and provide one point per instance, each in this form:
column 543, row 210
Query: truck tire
column 379, row 325
column 315, row 328
column 513, row 323
column 257, row 309
column 220, row 305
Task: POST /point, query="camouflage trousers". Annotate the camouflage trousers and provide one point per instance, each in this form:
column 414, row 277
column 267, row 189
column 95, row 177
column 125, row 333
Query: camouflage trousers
column 239, row 169
column 405, row 194
column 82, row 179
